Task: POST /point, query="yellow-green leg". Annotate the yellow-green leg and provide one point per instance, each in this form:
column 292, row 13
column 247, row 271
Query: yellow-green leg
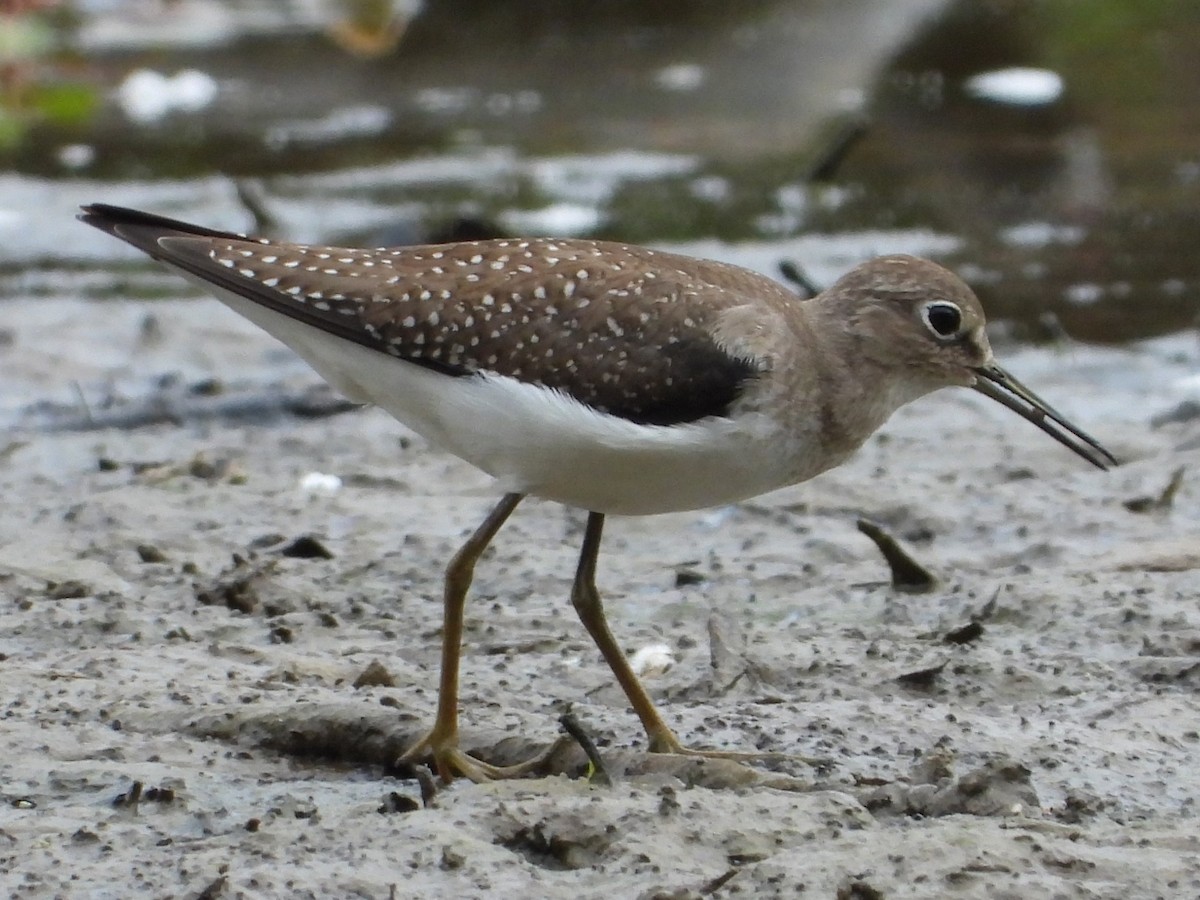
column 441, row 741
column 587, row 603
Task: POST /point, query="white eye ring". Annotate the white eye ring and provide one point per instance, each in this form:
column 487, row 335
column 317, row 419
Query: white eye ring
column 943, row 319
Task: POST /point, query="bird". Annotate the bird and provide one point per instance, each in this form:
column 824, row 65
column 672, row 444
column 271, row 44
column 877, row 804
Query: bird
column 609, row 377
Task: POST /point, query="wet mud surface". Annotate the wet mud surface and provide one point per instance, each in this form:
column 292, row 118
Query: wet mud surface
column 210, row 655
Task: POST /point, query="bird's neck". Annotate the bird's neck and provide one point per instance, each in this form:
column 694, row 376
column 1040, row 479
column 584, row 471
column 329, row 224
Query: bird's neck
column 854, row 392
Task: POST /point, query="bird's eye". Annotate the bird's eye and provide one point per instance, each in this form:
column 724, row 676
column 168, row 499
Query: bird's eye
column 943, row 319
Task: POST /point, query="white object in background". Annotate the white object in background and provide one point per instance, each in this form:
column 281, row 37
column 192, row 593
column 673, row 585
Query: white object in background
column 680, row 77
column 1016, row 86
column 557, row 218
column 147, row 96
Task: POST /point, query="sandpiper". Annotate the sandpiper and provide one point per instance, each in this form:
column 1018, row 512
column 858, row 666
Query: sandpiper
column 605, row 376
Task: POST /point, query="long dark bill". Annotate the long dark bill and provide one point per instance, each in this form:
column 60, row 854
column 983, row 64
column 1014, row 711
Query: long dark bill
column 994, row 382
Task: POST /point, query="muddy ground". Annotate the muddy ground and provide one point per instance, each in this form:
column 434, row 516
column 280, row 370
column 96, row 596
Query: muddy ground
column 176, row 725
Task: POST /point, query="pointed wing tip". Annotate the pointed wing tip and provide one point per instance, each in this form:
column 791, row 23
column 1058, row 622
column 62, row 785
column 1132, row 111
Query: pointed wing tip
column 96, row 215
column 142, row 229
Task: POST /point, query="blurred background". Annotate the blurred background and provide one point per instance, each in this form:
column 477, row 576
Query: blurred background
column 1047, row 150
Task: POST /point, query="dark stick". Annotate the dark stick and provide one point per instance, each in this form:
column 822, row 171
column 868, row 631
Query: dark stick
column 572, row 727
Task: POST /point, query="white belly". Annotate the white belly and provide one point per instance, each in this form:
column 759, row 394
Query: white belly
column 541, row 442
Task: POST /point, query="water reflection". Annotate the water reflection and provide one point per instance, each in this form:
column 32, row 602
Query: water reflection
column 1083, row 209
column 672, row 122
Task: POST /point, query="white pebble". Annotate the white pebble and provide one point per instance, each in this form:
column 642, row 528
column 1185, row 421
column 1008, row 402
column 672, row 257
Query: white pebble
column 315, row 483
column 653, row 659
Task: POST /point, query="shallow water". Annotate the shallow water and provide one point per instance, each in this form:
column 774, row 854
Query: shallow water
column 696, row 125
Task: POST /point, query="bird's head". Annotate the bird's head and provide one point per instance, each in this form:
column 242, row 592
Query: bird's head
column 919, row 326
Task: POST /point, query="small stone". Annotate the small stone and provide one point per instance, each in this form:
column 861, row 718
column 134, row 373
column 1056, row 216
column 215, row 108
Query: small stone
column 148, row 553
column 375, row 675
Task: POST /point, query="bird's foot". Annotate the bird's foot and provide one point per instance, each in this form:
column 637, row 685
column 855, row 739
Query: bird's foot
column 668, row 743
column 451, row 761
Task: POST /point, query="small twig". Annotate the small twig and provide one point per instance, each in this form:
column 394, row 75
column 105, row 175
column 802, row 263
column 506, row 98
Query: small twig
column 428, row 786
column 130, row 798
column 907, row 574
column 1164, row 501
column 237, row 403
column 806, row 287
column 848, row 133
column 572, row 727
column 250, row 195
column 213, row 890
column 711, row 887
column 732, row 683
column 989, row 608
column 87, row 410
column 720, row 656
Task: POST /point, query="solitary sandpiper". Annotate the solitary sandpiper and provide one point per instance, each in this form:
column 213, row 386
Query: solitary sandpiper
column 605, row 376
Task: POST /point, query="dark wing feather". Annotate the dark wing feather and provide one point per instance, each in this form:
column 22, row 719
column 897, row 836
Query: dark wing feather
column 624, row 330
